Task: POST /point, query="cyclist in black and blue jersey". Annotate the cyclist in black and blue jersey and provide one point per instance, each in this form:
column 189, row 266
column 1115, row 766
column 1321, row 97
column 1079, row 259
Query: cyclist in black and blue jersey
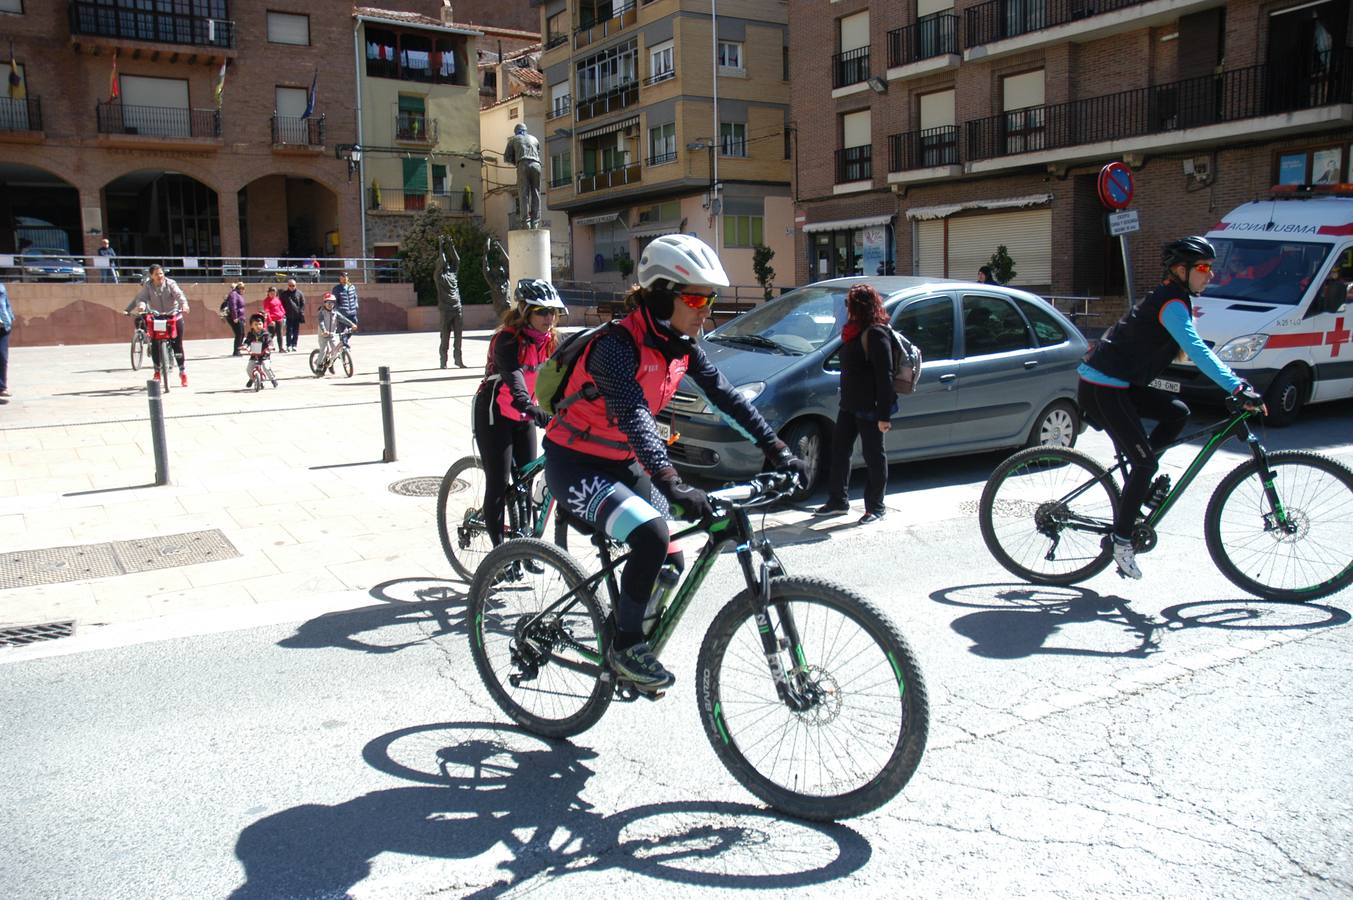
column 1115, row 381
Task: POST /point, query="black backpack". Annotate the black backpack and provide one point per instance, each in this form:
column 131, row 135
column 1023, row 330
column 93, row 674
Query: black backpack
column 906, row 360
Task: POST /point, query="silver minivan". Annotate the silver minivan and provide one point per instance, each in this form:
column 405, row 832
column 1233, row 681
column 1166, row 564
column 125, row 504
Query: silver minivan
column 1000, row 371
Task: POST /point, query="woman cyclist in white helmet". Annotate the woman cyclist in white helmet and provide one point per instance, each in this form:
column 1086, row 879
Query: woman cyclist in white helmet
column 603, row 455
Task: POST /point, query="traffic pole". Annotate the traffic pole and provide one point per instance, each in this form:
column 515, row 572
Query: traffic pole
column 157, row 441
column 387, row 415
column 1127, row 270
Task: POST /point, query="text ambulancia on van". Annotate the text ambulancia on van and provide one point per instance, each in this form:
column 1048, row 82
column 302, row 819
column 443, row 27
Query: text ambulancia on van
column 1277, row 310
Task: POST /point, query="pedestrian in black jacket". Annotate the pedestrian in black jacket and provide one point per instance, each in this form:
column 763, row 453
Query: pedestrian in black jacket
column 868, row 402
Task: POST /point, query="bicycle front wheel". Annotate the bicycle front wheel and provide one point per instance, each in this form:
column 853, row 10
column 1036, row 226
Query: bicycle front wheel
column 542, row 669
column 460, row 516
column 138, row 350
column 166, row 364
column 857, row 734
column 346, row 358
column 1045, row 512
column 1299, row 549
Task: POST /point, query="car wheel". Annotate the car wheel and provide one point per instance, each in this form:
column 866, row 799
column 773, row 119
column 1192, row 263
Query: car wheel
column 1057, row 426
column 806, row 439
column 1285, row 397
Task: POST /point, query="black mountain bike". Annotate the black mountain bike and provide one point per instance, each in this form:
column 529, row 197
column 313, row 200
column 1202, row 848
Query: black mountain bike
column 808, row 693
column 1279, row 525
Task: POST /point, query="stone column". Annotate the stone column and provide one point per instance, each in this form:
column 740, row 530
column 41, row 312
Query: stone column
column 528, row 253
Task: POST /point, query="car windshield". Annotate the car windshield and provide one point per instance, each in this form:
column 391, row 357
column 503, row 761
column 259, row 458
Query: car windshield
column 1265, row 271
column 797, row 323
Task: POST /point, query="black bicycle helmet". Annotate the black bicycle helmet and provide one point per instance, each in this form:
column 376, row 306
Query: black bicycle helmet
column 538, row 292
column 1187, row 251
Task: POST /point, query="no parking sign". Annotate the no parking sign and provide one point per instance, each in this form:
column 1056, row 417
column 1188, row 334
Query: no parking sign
column 1116, row 186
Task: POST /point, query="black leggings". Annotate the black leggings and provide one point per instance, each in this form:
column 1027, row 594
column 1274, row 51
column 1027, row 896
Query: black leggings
column 501, row 441
column 618, row 498
column 1119, row 411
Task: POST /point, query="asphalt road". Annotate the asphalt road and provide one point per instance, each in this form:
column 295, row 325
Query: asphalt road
column 1167, row 737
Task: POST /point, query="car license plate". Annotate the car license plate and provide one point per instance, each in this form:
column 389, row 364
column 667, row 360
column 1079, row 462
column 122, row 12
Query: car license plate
column 1162, row 384
column 664, row 430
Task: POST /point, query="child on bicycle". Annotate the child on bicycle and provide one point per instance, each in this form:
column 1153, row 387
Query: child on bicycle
column 258, row 344
column 333, row 325
column 1115, row 382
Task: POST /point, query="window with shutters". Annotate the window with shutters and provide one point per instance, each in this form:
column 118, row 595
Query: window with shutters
column 561, row 168
column 732, row 139
column 662, row 144
column 288, row 28
column 992, row 325
column 661, row 65
column 730, row 55
column 938, row 139
column 1022, row 103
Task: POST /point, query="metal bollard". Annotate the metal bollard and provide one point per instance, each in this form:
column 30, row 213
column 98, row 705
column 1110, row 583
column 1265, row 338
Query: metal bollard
column 387, row 415
column 157, row 433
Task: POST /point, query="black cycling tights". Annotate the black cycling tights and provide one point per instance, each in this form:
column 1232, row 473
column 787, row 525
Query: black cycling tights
column 617, row 497
column 1119, row 411
column 500, row 441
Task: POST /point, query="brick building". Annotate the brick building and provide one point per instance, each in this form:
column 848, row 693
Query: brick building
column 935, row 130
column 633, row 138
column 114, row 130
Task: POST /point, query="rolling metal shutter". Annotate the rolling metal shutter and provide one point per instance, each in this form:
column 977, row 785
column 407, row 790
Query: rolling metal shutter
column 929, row 259
column 1026, row 234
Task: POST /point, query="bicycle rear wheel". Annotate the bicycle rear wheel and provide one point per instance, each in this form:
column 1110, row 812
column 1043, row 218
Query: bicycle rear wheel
column 460, row 520
column 1302, row 551
column 1035, row 529
column 862, row 734
column 317, row 362
column 138, row 349
column 543, row 671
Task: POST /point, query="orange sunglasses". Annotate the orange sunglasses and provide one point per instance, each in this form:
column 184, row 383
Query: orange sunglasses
column 1205, row 268
column 699, row 301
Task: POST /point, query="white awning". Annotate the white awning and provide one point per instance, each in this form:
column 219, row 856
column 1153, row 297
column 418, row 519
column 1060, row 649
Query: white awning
column 847, row 224
column 945, row 210
column 600, row 219
column 608, row 129
column 656, row 230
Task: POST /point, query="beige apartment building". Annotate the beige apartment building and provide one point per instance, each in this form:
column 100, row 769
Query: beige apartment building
column 661, row 119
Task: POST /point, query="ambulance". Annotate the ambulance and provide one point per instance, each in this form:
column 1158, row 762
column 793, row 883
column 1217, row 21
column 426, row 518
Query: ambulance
column 1278, row 309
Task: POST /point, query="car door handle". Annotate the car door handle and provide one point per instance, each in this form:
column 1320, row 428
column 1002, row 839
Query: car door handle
column 1031, row 364
column 948, row 378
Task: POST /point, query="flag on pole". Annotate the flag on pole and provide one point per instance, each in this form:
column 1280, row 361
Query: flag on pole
column 220, row 82
column 113, row 92
column 16, row 86
column 310, row 99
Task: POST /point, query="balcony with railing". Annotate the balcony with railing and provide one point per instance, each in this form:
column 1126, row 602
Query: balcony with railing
column 1007, row 26
column 415, row 128
column 1251, row 93
column 930, row 37
column 128, row 22
column 606, row 19
column 298, row 132
column 659, row 159
column 617, row 98
column 854, row 164
column 562, row 107
column 660, row 77
column 620, row 175
column 850, row 67
column 20, row 119
column 555, row 40
column 381, row 199
column 157, row 124
column 925, row 149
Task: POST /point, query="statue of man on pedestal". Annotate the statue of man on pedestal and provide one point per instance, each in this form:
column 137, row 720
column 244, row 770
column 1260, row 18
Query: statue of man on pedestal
column 524, row 150
column 494, row 265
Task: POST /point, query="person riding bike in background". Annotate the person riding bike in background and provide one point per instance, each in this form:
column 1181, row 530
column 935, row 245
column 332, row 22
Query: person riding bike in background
column 163, row 295
column 604, row 457
column 1115, row 381
column 505, row 412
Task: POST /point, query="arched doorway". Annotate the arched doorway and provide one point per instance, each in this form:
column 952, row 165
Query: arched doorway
column 38, row 210
column 288, row 216
column 161, row 214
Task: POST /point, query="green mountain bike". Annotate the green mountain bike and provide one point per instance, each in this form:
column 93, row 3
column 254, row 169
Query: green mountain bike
column 1279, row 525
column 460, row 515
column 808, row 693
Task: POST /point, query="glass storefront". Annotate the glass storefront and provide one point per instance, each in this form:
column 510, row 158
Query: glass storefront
column 850, row 252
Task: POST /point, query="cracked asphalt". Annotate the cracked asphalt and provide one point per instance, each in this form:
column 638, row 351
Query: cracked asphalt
column 1163, row 738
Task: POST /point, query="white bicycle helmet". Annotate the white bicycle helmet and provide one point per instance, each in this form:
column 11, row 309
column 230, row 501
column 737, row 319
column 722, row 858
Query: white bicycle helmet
column 681, row 259
column 539, row 292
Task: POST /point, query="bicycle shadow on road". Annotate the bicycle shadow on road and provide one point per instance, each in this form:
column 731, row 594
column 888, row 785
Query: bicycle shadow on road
column 412, row 612
column 1016, row 620
column 482, row 788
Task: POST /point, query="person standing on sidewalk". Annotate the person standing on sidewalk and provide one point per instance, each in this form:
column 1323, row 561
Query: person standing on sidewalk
column 6, row 326
column 448, row 301
column 276, row 316
column 235, row 315
column 345, row 300
column 294, row 303
column 868, row 402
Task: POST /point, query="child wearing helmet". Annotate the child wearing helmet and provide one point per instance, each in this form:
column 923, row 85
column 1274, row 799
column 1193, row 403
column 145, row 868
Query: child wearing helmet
column 333, row 322
column 258, row 344
column 604, row 457
column 1117, row 373
column 505, row 414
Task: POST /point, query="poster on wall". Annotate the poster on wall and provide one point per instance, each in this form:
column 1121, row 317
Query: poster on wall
column 875, row 250
column 1327, row 166
column 1292, row 168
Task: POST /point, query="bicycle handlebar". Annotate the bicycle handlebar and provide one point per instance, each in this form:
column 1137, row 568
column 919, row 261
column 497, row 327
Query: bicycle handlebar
column 760, row 490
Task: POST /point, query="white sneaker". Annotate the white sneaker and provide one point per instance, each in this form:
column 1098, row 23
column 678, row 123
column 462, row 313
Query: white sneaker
column 1126, row 557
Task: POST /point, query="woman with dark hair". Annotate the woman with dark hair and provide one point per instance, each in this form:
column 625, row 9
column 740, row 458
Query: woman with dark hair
column 867, row 404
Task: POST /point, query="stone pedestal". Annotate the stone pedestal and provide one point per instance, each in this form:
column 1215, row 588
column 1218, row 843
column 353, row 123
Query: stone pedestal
column 528, row 253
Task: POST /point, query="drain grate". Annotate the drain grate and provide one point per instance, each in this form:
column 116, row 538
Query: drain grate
column 423, row 486
column 54, row 565
column 18, row 635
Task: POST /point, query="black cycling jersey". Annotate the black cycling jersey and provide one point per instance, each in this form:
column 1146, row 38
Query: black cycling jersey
column 1139, row 347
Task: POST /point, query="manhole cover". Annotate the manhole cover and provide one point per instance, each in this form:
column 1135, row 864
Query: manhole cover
column 172, row 550
column 423, row 486
column 54, row 565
